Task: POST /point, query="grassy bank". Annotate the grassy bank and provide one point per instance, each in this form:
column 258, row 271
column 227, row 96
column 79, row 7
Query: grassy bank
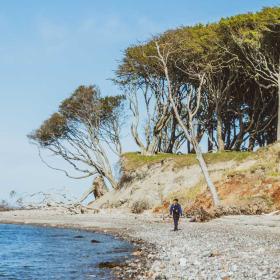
column 136, row 160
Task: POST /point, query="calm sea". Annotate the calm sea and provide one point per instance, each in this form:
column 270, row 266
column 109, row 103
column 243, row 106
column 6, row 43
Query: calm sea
column 30, row 252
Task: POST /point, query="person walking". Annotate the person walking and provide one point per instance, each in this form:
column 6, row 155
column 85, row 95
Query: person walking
column 176, row 212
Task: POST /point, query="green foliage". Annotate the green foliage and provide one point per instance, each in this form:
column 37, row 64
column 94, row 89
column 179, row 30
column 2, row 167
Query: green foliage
column 133, row 161
column 84, row 108
column 220, row 49
column 82, row 105
column 52, row 129
column 110, row 106
column 199, row 42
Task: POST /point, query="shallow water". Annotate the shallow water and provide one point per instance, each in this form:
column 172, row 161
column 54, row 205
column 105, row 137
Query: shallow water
column 30, row 252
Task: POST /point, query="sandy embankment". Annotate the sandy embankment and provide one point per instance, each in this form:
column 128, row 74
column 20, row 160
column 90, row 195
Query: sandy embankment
column 236, row 247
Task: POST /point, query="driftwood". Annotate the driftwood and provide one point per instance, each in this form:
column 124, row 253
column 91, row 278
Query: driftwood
column 80, row 209
column 59, row 200
column 277, row 212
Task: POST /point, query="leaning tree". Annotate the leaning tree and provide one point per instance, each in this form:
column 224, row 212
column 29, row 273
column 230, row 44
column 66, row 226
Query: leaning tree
column 186, row 95
column 82, row 132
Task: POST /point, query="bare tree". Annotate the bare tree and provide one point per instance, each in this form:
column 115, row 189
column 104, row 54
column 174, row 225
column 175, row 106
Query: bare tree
column 156, row 111
column 82, row 132
column 143, row 84
column 192, row 105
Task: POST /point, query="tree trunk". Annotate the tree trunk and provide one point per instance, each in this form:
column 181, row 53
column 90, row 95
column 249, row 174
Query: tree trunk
column 172, row 137
column 211, row 139
column 99, row 187
column 112, row 181
column 252, row 141
column 220, row 140
column 205, row 172
column 278, row 119
column 199, row 156
column 188, row 146
column 86, row 194
column 151, row 149
column 189, row 135
column 228, row 133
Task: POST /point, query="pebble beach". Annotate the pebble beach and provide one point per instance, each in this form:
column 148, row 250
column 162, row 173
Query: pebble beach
column 233, row 247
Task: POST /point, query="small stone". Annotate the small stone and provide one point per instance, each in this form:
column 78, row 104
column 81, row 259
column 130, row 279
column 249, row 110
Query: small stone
column 95, row 241
column 234, row 268
column 109, row 265
column 183, row 261
column 214, row 254
column 261, row 250
column 196, row 262
column 136, row 253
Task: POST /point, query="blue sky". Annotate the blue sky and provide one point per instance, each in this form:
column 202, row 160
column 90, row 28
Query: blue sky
column 48, row 48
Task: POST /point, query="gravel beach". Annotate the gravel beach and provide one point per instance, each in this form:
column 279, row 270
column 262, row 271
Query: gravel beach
column 233, row 247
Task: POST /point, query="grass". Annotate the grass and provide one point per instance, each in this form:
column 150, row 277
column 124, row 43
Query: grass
column 188, row 194
column 135, row 160
column 273, row 174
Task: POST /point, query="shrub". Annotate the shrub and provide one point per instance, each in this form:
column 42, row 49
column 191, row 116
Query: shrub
column 139, row 206
column 125, row 179
column 4, row 206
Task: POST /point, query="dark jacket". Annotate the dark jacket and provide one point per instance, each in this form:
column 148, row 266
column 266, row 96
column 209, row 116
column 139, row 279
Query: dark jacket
column 176, row 210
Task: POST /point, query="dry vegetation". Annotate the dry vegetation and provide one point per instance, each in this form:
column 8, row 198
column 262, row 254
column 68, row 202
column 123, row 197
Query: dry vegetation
column 4, row 208
column 247, row 182
column 253, row 189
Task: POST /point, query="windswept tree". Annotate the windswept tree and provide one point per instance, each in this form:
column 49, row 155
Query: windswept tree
column 191, row 103
column 154, row 116
column 239, row 56
column 143, row 84
column 83, row 132
column 255, row 40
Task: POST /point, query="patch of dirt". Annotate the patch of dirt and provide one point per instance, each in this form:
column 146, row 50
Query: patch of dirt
column 253, row 190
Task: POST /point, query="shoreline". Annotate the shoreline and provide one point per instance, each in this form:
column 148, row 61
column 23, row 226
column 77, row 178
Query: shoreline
column 130, row 269
column 233, row 247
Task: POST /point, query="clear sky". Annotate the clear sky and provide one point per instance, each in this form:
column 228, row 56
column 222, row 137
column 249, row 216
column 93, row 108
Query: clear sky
column 48, row 48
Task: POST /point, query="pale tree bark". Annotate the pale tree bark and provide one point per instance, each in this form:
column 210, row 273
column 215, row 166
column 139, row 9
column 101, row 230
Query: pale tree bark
column 57, row 199
column 157, row 115
column 90, row 133
column 131, row 94
column 192, row 111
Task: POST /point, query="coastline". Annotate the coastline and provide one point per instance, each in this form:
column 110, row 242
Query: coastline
column 133, row 268
column 235, row 247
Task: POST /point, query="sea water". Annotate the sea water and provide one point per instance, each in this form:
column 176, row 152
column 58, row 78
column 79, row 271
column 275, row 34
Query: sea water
column 31, row 252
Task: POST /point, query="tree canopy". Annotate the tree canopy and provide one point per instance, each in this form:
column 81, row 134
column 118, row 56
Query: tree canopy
column 239, row 56
column 80, row 131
